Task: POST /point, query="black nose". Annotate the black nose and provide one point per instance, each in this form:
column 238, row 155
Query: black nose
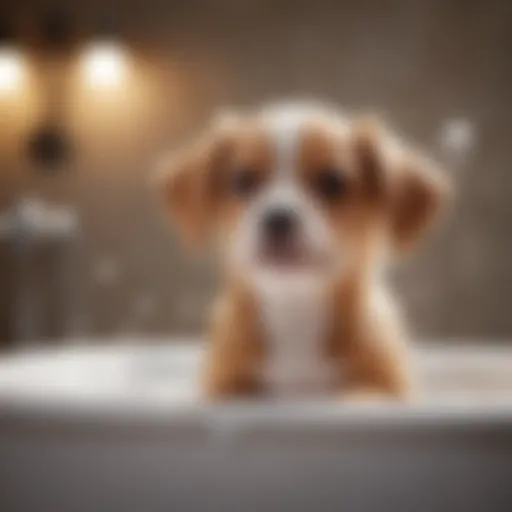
column 279, row 223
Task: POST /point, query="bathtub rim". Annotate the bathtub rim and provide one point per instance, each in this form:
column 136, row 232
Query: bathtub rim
column 33, row 413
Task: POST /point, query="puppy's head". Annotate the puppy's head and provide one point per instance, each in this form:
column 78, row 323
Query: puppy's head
column 301, row 190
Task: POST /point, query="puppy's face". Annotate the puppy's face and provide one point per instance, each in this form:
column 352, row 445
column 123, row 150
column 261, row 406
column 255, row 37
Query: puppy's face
column 291, row 197
column 301, row 191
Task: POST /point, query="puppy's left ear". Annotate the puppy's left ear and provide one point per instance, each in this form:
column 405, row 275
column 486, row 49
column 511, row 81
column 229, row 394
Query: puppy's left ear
column 412, row 189
column 419, row 194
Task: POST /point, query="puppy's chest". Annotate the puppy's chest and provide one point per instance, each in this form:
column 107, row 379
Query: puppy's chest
column 295, row 326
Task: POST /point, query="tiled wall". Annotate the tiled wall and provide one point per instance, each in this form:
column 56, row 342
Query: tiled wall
column 440, row 71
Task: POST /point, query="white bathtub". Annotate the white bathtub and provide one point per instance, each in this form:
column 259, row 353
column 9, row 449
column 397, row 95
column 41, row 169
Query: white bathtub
column 121, row 429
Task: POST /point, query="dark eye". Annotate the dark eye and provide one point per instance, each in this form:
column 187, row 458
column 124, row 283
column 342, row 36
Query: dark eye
column 245, row 182
column 330, row 184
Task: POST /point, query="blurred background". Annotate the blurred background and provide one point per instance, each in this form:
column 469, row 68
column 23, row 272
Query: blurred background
column 92, row 93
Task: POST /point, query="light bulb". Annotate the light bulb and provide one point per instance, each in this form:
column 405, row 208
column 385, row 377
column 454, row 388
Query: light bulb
column 11, row 69
column 104, row 64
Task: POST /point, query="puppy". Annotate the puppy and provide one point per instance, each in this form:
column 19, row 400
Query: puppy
column 306, row 208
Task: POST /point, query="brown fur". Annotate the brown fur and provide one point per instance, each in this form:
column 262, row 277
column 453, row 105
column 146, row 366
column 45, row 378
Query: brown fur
column 236, row 347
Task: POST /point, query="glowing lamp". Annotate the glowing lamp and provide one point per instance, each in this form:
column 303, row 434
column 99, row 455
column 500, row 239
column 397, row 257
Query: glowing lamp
column 11, row 69
column 104, row 64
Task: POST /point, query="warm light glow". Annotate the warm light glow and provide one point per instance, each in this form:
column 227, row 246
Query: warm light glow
column 104, row 64
column 11, row 69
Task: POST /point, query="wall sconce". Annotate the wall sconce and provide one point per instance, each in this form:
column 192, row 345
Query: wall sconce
column 50, row 146
column 12, row 66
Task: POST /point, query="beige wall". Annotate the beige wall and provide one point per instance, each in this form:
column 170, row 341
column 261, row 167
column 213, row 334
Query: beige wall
column 421, row 63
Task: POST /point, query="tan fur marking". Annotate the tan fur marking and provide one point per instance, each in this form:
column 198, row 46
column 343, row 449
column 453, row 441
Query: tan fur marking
column 236, row 349
column 369, row 342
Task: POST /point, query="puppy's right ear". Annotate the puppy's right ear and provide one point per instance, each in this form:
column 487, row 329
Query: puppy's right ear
column 189, row 181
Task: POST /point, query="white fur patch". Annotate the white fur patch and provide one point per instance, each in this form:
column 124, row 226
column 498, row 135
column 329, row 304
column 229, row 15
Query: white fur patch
column 294, row 313
column 293, row 306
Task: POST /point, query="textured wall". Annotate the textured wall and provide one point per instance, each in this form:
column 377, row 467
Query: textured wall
column 440, row 70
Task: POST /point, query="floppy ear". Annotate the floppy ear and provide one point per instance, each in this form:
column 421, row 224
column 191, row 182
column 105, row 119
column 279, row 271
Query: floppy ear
column 420, row 193
column 412, row 189
column 189, row 182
